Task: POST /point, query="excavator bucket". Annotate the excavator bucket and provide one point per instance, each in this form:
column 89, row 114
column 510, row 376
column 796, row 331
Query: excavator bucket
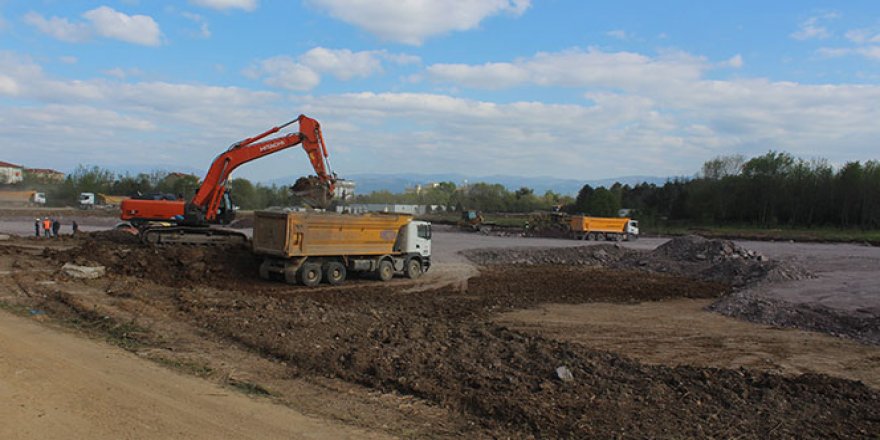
column 312, row 191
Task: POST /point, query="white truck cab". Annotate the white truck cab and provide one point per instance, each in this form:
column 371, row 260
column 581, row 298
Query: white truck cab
column 632, row 229
column 416, row 239
column 86, row 200
column 38, row 198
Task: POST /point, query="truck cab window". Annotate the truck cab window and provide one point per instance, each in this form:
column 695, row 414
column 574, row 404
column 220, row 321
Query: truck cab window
column 424, row 232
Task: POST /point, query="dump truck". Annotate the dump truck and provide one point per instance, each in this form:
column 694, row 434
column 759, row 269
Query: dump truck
column 603, row 228
column 23, row 198
column 89, row 200
column 309, row 247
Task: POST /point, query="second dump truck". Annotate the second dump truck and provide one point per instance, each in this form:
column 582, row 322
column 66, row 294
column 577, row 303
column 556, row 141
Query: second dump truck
column 310, row 247
column 603, row 228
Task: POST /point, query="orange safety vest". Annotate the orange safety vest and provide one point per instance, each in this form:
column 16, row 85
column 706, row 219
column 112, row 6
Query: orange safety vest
column 47, row 224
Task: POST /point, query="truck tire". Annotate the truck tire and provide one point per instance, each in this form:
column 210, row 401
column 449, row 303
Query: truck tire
column 385, row 271
column 413, row 268
column 334, row 273
column 310, row 274
column 264, row 269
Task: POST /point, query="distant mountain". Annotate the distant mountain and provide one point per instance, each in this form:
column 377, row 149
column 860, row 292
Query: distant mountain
column 396, row 183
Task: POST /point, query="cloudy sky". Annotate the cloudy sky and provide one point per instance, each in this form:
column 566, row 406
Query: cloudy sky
column 564, row 88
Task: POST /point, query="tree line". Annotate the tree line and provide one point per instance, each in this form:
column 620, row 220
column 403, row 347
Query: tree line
column 98, row 180
column 774, row 189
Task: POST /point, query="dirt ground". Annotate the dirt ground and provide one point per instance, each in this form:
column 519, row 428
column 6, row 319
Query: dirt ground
column 408, row 360
column 683, row 332
column 65, row 386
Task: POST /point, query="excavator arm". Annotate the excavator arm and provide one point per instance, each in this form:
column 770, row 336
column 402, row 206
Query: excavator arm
column 206, row 204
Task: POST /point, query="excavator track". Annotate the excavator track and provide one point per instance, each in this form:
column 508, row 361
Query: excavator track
column 192, row 236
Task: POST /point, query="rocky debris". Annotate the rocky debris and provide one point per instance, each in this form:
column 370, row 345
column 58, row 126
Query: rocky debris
column 751, row 306
column 691, row 256
column 599, row 255
column 696, row 248
column 564, row 374
column 83, row 272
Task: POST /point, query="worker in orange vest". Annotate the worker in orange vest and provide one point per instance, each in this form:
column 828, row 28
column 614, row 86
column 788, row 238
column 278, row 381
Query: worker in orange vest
column 47, row 227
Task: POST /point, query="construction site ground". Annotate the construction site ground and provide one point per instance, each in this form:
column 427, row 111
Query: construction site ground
column 514, row 342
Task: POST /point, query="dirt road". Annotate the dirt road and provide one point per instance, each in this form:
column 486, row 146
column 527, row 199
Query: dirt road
column 57, row 385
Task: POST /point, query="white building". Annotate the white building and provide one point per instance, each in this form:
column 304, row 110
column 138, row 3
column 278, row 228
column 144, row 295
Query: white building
column 10, row 173
column 361, row 208
column 344, row 190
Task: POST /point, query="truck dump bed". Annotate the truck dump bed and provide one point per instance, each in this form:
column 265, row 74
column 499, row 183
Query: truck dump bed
column 297, row 234
column 582, row 223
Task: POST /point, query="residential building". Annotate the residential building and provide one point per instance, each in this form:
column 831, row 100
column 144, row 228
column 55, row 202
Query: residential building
column 44, row 175
column 10, row 173
column 344, row 190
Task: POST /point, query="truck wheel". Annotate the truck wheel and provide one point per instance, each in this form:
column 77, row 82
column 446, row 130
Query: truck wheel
column 413, row 268
column 264, row 269
column 385, row 271
column 310, row 274
column 591, row 236
column 334, row 273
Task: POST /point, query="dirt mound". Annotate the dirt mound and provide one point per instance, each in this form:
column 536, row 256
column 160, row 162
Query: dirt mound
column 581, row 256
column 123, row 254
column 691, row 256
column 442, row 346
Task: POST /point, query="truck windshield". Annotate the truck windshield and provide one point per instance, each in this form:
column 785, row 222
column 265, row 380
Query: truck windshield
column 425, row 232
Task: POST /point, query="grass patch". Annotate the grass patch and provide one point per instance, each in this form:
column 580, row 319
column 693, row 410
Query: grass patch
column 15, row 309
column 249, row 388
column 192, row 368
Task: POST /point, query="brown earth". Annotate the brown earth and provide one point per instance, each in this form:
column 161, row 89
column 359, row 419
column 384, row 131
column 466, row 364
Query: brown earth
column 448, row 367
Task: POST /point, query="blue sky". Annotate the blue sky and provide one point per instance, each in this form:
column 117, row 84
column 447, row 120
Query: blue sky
column 561, row 88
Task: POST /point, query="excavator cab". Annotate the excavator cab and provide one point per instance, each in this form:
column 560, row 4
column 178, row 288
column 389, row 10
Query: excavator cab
column 226, row 211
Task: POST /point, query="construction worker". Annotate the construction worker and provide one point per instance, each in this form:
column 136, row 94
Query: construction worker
column 37, row 227
column 56, row 226
column 75, row 227
column 47, row 227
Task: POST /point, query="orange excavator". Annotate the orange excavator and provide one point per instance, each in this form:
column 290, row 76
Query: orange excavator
column 191, row 222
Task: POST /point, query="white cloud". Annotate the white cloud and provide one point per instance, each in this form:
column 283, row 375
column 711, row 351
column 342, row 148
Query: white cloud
column 869, row 52
column 59, row 28
column 620, row 34
column 735, row 62
column 575, row 68
column 341, row 63
column 246, row 5
column 120, row 73
column 811, row 28
column 137, row 29
column 863, row 36
column 204, row 28
column 413, row 21
column 102, row 21
column 8, row 86
column 68, row 59
column 304, row 72
column 284, row 72
column 666, row 127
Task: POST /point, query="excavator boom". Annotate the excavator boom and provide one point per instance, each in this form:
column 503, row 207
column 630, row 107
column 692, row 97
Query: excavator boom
column 210, row 205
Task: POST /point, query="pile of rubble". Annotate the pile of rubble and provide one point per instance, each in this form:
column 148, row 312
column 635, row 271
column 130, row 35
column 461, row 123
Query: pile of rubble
column 690, row 256
column 754, row 307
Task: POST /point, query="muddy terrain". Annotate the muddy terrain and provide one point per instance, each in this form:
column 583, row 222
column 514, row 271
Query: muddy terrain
column 437, row 362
